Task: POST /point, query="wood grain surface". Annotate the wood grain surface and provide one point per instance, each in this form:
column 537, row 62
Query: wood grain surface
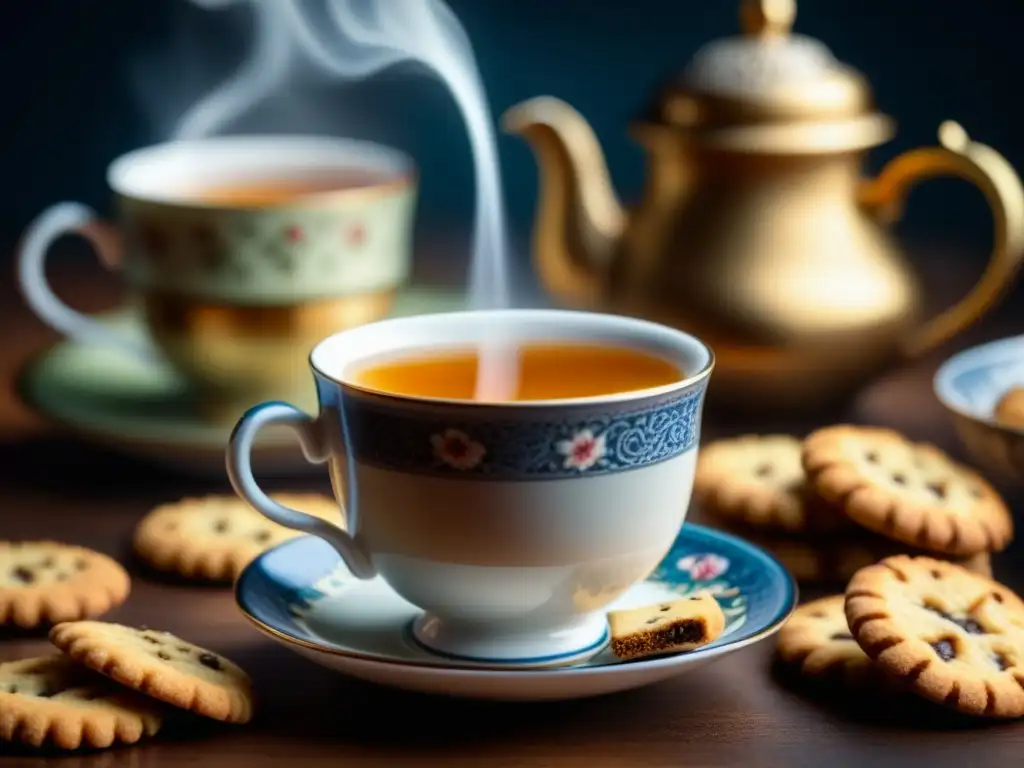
column 739, row 712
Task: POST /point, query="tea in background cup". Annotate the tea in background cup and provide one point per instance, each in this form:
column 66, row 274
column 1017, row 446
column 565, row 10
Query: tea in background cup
column 242, row 252
column 510, row 524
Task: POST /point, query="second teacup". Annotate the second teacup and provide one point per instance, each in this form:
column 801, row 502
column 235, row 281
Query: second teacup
column 243, row 252
column 510, row 524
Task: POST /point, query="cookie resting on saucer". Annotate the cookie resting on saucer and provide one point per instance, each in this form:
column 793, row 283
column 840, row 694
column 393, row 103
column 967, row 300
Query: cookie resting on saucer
column 52, row 700
column 663, row 628
column 160, row 665
column 45, row 582
column 911, row 492
column 952, row 636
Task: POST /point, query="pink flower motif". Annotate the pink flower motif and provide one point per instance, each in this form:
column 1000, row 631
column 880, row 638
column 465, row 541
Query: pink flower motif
column 294, row 234
column 583, row 451
column 703, row 567
column 457, row 449
column 355, row 235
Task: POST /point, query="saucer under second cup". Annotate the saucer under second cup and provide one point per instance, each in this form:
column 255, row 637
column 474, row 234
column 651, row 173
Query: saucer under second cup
column 149, row 412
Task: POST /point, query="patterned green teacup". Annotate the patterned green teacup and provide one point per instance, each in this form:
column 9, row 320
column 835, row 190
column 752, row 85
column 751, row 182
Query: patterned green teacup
column 242, row 252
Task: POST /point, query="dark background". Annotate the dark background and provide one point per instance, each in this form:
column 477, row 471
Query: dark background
column 84, row 81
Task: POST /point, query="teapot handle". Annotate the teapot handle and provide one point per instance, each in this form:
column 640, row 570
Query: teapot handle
column 995, row 177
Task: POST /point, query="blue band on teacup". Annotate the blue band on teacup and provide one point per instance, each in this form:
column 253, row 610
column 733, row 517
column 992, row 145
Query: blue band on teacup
column 478, row 442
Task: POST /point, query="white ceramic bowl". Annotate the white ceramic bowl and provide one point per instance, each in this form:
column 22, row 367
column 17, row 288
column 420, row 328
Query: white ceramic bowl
column 970, row 384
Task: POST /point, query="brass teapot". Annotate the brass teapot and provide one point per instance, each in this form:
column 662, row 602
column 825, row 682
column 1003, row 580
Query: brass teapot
column 756, row 230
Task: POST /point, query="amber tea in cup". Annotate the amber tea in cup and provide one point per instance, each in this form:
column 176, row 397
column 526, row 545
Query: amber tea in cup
column 266, row 192
column 545, row 372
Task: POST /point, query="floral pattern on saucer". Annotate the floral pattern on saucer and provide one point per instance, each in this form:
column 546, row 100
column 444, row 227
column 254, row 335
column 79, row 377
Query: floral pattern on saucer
column 685, row 572
column 300, row 594
column 361, row 628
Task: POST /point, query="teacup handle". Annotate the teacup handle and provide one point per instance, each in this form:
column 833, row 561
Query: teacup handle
column 315, row 447
column 54, row 222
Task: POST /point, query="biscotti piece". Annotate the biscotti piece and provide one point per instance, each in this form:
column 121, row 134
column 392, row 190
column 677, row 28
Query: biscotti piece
column 663, row 628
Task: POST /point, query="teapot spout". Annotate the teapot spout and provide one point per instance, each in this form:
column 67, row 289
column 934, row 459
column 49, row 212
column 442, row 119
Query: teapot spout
column 578, row 221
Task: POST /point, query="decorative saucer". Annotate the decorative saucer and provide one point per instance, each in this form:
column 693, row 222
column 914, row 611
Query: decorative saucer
column 148, row 411
column 300, row 595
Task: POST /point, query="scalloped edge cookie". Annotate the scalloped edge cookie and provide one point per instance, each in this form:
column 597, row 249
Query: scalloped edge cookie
column 152, row 662
column 97, row 584
column 817, row 639
column 901, row 612
column 213, row 538
column 87, row 710
column 911, row 492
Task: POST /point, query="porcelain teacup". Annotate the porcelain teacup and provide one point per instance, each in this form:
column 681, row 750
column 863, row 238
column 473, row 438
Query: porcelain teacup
column 235, row 290
column 509, row 546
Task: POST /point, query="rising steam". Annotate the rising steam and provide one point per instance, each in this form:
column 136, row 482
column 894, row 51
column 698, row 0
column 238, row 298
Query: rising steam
column 356, row 39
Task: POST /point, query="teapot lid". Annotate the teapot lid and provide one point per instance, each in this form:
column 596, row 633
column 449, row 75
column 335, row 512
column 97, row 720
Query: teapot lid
column 788, row 87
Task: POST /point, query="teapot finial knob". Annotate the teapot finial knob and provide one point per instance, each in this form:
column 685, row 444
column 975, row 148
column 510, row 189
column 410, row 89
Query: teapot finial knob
column 953, row 137
column 767, row 17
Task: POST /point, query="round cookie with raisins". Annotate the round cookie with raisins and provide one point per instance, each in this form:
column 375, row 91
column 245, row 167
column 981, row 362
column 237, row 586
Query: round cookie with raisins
column 951, row 636
column 911, row 492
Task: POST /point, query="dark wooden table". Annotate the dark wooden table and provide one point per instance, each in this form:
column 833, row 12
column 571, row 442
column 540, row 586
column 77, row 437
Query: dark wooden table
column 736, row 712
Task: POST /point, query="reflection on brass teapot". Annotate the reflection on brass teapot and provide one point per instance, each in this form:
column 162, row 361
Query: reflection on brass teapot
column 756, row 230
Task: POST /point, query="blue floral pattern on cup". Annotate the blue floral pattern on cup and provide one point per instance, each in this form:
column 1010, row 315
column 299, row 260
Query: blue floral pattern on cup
column 383, row 433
